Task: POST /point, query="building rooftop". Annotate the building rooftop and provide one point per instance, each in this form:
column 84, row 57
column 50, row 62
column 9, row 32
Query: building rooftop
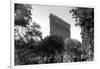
column 59, row 20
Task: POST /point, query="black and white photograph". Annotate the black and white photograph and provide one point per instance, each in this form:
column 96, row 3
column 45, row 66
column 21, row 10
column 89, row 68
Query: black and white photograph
column 50, row 34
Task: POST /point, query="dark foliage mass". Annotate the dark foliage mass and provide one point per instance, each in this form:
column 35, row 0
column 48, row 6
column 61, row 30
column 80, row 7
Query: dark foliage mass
column 22, row 14
column 53, row 44
column 45, row 52
column 27, row 34
column 52, row 49
column 85, row 19
column 74, row 49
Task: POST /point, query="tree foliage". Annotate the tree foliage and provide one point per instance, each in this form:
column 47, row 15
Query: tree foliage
column 26, row 32
column 47, row 51
column 53, row 44
column 73, row 47
column 22, row 14
column 51, row 47
column 27, row 36
column 85, row 19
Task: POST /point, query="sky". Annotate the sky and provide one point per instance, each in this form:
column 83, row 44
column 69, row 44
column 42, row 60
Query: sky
column 40, row 15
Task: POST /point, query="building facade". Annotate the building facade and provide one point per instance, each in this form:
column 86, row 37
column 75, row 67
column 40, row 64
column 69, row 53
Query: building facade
column 59, row 26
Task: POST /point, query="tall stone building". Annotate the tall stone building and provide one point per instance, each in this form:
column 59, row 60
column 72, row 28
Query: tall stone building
column 59, row 26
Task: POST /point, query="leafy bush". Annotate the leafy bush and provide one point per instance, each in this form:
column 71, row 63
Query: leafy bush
column 73, row 48
column 52, row 46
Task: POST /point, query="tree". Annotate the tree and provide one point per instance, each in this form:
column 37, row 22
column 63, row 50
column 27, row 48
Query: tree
column 26, row 42
column 85, row 19
column 73, row 48
column 27, row 36
column 26, row 31
column 50, row 47
column 22, row 14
